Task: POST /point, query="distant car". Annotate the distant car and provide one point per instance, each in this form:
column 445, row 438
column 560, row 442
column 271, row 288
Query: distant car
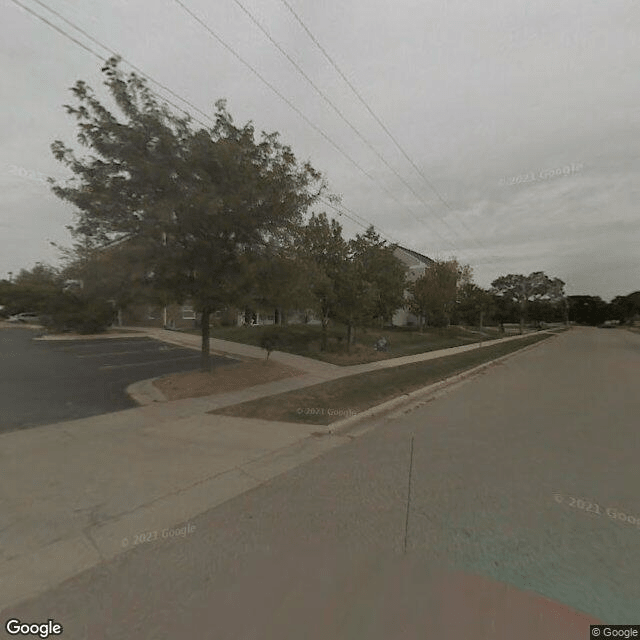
column 609, row 324
column 27, row 317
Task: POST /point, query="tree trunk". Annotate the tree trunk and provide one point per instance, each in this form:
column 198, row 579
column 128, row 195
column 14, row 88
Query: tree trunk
column 481, row 318
column 521, row 324
column 323, row 339
column 349, row 331
column 205, row 360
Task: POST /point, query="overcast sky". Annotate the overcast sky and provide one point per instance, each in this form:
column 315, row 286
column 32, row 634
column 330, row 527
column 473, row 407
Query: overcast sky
column 523, row 114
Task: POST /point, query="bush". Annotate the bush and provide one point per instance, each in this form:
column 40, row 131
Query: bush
column 272, row 340
column 83, row 315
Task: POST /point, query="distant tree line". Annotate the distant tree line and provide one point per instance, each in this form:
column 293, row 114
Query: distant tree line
column 593, row 310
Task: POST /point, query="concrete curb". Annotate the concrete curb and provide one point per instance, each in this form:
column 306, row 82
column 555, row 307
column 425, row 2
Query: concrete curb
column 424, row 394
column 78, row 336
column 144, row 392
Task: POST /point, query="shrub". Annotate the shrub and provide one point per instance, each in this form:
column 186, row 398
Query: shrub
column 271, row 340
column 70, row 312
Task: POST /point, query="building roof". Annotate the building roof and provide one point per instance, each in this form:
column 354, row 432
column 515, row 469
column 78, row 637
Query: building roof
column 416, row 255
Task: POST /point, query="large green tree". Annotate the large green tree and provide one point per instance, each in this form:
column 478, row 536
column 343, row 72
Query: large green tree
column 383, row 271
column 32, row 290
column 327, row 252
column 371, row 285
column 280, row 278
column 110, row 273
column 475, row 304
column 196, row 201
column 626, row 308
column 434, row 295
column 521, row 290
column 592, row 310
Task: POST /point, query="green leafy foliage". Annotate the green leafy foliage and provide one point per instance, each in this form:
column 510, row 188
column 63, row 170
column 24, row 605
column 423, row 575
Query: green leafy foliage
column 71, row 312
column 434, row 295
column 196, row 204
column 475, row 304
column 523, row 291
column 625, row 308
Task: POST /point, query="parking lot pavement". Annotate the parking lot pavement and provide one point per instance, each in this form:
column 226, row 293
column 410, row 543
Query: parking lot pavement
column 44, row 382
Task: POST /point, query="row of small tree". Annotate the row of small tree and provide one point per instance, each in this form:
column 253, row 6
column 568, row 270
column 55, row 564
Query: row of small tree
column 446, row 294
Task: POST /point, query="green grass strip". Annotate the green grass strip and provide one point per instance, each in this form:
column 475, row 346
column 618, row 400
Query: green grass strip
column 330, row 401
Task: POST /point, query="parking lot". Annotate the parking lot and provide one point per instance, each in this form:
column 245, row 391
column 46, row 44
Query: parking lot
column 42, row 382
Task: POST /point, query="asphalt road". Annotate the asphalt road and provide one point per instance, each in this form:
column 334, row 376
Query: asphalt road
column 44, row 382
column 359, row 542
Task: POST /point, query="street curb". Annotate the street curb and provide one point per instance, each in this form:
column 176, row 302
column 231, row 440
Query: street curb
column 98, row 336
column 144, row 392
column 424, row 393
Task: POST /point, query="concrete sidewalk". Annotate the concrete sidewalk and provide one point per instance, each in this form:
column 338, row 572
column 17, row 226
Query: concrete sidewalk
column 225, row 347
column 144, row 392
column 81, row 492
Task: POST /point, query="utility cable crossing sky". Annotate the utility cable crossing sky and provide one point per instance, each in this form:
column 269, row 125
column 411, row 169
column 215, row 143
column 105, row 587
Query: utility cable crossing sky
column 341, row 210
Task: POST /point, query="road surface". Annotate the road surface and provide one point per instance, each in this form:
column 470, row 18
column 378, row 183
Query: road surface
column 522, row 491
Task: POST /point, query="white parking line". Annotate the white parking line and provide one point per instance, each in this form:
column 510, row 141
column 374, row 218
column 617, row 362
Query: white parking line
column 144, row 364
column 117, row 353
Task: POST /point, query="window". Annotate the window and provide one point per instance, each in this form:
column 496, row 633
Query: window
column 188, row 313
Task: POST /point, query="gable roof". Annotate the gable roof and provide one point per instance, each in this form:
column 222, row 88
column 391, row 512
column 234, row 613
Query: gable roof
column 417, row 256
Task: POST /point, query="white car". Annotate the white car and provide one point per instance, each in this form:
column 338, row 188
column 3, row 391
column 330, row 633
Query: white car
column 28, row 317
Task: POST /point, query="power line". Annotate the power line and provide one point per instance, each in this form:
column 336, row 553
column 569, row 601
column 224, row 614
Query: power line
column 300, row 113
column 337, row 110
column 357, row 219
column 114, row 53
column 91, row 51
column 61, row 31
column 142, row 73
column 373, row 114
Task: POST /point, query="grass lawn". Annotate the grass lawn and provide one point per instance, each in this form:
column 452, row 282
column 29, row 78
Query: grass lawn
column 330, row 401
column 304, row 340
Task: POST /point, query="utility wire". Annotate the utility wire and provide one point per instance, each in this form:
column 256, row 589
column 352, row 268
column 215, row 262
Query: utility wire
column 357, row 219
column 95, row 53
column 365, row 224
column 133, row 66
column 338, row 111
column 300, row 113
column 100, row 57
column 374, row 115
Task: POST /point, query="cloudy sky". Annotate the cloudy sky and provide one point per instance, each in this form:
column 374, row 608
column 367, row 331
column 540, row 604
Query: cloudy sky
column 522, row 117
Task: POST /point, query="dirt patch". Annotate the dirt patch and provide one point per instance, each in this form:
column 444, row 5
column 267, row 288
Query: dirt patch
column 223, row 379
